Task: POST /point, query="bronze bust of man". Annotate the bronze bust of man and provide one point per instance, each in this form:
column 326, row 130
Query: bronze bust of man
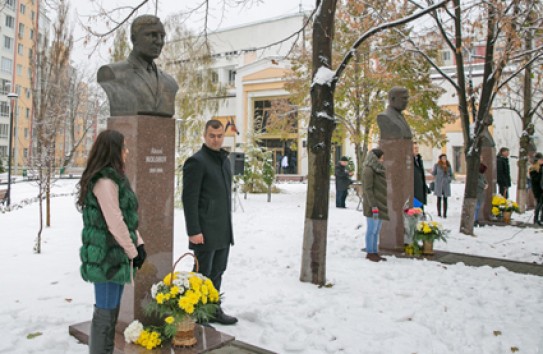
column 391, row 122
column 136, row 86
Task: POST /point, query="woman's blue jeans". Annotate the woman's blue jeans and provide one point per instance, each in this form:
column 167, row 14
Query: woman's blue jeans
column 373, row 228
column 108, row 295
column 477, row 208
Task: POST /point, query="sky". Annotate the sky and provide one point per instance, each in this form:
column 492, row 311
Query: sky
column 402, row 306
column 255, row 10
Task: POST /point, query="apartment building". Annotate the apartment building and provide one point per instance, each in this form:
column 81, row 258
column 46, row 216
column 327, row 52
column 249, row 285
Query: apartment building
column 20, row 22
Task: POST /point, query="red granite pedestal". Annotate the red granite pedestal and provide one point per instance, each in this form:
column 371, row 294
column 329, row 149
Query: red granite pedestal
column 488, row 154
column 400, row 188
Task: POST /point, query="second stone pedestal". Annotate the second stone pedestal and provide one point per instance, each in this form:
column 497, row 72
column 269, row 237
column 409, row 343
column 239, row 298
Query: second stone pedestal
column 399, row 172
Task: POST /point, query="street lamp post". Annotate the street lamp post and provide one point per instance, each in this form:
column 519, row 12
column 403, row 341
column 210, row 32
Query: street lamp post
column 12, row 96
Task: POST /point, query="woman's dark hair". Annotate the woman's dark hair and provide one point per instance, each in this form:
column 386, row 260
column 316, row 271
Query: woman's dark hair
column 105, row 152
column 377, row 152
column 502, row 150
column 440, row 156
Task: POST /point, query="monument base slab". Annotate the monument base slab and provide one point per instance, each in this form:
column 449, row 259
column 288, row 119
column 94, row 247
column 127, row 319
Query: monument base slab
column 208, row 339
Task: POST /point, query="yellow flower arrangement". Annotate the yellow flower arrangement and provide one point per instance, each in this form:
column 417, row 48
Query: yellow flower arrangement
column 501, row 204
column 178, row 295
column 428, row 231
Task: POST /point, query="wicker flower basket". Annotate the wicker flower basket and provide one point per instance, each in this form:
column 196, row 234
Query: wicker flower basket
column 185, row 336
column 427, row 247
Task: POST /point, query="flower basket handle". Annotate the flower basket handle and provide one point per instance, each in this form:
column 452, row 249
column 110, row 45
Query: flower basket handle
column 196, row 265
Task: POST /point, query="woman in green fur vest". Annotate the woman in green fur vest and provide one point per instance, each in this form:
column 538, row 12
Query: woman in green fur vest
column 112, row 247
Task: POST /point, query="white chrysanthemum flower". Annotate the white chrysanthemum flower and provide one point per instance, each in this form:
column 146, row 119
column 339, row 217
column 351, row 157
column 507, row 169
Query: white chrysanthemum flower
column 155, row 288
column 133, row 331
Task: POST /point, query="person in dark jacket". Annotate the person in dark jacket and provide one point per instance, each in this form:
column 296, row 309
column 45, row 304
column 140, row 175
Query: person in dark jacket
column 112, row 246
column 536, row 173
column 375, row 201
column 207, row 188
column 482, row 184
column 421, row 189
column 343, row 181
column 503, row 172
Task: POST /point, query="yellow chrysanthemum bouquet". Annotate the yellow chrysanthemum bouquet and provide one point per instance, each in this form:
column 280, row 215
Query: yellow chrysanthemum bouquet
column 178, row 296
column 501, row 204
column 429, row 231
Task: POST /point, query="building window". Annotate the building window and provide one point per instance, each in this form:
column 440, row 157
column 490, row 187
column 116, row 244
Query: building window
column 30, row 54
column 19, row 69
column 446, row 56
column 26, row 133
column 10, row 4
column 459, row 161
column 27, row 91
column 8, row 42
column 5, row 86
column 214, row 77
column 27, row 114
column 4, row 109
column 21, row 30
column 232, row 77
column 4, row 130
column 22, row 8
column 7, row 65
column 20, row 49
column 31, row 33
column 33, row 15
column 4, row 151
column 10, row 21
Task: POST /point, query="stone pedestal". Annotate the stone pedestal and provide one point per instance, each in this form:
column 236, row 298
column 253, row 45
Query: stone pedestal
column 400, row 188
column 150, row 169
column 488, row 154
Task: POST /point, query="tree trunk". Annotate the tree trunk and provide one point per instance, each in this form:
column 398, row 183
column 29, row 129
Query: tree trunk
column 470, row 194
column 48, row 198
column 321, row 127
column 269, row 193
column 527, row 126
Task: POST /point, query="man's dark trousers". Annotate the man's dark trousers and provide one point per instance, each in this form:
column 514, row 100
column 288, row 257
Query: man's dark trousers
column 341, row 196
column 212, row 264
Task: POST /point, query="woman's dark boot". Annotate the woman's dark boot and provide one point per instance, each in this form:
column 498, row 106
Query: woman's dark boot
column 445, row 207
column 439, row 206
column 102, row 333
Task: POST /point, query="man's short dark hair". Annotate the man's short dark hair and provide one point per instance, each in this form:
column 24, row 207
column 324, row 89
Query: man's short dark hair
column 393, row 93
column 213, row 123
column 142, row 21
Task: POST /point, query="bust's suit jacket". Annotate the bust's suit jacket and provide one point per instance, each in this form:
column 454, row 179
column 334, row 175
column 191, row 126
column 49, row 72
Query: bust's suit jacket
column 131, row 89
column 393, row 125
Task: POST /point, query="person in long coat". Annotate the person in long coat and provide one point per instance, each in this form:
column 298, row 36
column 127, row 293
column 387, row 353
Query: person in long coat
column 536, row 173
column 443, row 175
column 207, row 188
column 503, row 172
column 343, row 181
column 420, row 187
column 375, row 201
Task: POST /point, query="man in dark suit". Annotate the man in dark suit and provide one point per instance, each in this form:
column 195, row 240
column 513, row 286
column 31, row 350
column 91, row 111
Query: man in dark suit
column 136, row 86
column 207, row 186
column 343, row 181
column 392, row 122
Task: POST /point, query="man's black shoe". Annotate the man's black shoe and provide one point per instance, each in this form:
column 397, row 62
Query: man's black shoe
column 222, row 318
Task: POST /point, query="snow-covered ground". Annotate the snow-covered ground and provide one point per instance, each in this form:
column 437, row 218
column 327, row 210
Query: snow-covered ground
column 400, row 306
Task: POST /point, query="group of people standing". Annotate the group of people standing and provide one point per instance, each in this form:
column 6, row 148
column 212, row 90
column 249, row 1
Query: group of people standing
column 113, row 249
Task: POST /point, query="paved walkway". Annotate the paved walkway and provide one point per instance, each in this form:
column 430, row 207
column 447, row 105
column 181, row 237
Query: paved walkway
column 478, row 261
